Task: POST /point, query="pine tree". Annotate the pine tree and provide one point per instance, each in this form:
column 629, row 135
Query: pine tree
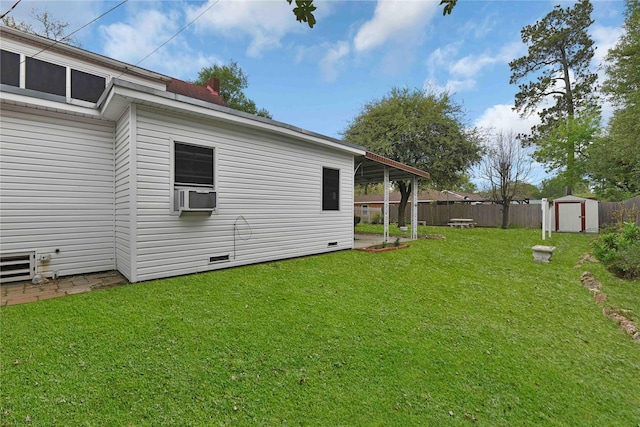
column 557, row 67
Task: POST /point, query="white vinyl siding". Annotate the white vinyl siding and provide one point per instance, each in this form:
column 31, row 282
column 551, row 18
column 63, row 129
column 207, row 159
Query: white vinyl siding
column 91, row 186
column 57, row 189
column 273, row 183
column 123, row 195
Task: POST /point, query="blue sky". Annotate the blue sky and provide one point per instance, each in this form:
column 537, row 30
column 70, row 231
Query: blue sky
column 319, row 78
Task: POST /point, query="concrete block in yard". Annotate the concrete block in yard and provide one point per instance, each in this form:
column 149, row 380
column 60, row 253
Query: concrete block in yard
column 542, row 254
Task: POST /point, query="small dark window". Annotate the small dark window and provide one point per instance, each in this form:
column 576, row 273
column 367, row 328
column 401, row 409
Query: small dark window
column 46, row 77
column 10, row 68
column 330, row 189
column 85, row 86
column 193, row 165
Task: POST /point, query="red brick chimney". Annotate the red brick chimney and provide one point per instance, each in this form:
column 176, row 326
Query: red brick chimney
column 213, row 85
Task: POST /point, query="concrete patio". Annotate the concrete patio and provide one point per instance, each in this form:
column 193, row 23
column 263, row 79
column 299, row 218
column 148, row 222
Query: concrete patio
column 23, row 292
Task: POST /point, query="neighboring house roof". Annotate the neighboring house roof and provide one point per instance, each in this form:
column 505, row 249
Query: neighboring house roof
column 210, row 92
column 429, row 195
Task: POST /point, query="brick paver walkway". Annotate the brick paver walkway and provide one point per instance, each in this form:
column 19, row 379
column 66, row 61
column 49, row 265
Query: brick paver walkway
column 22, row 292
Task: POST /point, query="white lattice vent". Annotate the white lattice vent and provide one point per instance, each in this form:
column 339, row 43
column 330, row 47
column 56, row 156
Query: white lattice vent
column 17, row 266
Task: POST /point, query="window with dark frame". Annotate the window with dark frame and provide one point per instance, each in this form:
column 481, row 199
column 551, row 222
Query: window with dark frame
column 46, row 77
column 86, row 87
column 330, row 189
column 193, row 166
column 9, row 68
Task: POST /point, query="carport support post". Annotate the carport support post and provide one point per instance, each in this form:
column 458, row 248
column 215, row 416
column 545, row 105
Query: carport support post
column 386, row 204
column 414, row 208
column 545, row 212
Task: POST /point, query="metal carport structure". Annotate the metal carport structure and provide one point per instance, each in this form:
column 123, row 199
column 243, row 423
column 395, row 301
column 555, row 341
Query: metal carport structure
column 372, row 168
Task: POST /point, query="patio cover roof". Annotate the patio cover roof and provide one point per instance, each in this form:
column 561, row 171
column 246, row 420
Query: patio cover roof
column 370, row 169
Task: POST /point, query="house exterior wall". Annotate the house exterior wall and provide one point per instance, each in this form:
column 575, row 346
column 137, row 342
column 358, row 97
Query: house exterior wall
column 269, row 191
column 91, row 183
column 56, row 180
column 123, row 211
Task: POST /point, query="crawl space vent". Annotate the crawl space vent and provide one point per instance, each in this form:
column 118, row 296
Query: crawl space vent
column 17, row 267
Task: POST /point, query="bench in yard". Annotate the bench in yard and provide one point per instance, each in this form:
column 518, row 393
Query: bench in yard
column 461, row 223
column 543, row 253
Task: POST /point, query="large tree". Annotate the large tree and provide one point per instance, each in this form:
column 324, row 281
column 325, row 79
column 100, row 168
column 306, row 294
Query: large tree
column 421, row 129
column 614, row 160
column 233, row 82
column 556, row 71
column 506, row 166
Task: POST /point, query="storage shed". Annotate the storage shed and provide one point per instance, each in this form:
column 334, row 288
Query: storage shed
column 575, row 215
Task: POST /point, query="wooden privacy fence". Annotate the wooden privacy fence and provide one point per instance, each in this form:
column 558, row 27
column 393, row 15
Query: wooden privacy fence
column 527, row 216
column 607, row 211
column 489, row 215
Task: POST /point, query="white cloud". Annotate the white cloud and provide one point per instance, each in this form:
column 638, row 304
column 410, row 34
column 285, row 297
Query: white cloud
column 604, row 38
column 472, row 65
column 480, row 29
column 503, row 117
column 463, row 73
column 144, row 32
column 394, row 20
column 130, row 42
column 332, row 59
column 451, row 86
column 264, row 22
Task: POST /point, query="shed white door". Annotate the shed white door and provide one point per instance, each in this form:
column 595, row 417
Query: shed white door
column 570, row 216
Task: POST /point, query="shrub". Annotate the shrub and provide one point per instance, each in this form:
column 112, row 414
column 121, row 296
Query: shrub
column 619, row 250
column 627, row 262
column 377, row 218
column 356, row 220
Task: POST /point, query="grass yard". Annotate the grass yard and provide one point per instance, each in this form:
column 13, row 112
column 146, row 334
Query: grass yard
column 465, row 331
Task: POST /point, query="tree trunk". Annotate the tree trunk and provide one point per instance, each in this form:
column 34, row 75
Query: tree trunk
column 505, row 214
column 405, row 191
column 571, row 112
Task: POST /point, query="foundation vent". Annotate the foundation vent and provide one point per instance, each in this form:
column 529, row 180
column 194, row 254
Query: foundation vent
column 17, row 266
column 220, row 258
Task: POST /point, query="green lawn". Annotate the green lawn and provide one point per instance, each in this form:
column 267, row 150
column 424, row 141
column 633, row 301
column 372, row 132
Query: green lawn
column 465, row 331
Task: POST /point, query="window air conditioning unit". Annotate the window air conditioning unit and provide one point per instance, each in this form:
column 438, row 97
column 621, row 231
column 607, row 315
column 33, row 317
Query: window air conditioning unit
column 195, row 200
